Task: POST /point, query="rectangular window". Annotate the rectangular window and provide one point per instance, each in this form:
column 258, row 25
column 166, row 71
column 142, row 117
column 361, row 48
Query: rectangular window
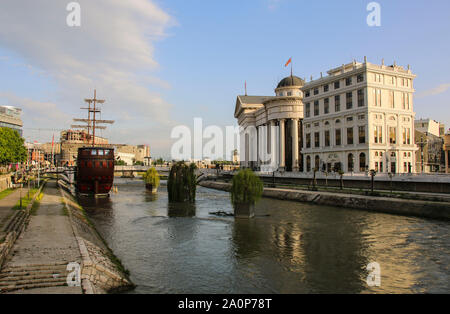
column 360, row 78
column 377, row 100
column 316, row 108
column 308, row 140
column 360, row 98
column 326, row 88
column 406, row 136
column 336, row 85
column 378, row 134
column 307, row 110
column 317, row 139
column 337, row 103
column 349, row 100
column 392, row 135
column 316, row 91
column 327, row 138
column 289, row 93
column 349, row 136
column 326, row 105
column 403, row 101
column 307, row 93
column 362, row 134
column 338, row 137
column 348, row 81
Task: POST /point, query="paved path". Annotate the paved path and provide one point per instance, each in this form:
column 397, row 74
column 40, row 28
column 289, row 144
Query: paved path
column 38, row 261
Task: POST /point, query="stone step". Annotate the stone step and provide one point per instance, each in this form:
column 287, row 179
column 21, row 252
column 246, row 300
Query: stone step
column 16, row 221
column 31, row 286
column 32, row 275
column 4, row 284
column 32, row 267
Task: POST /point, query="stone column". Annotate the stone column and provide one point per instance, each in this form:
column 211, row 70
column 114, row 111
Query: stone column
column 295, row 161
column 273, row 145
column 446, row 161
column 282, row 146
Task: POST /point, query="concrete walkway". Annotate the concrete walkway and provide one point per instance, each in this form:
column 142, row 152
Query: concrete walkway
column 38, row 261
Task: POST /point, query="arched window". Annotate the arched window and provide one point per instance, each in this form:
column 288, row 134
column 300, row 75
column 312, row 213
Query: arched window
column 308, row 163
column 350, row 163
column 362, row 162
column 317, row 162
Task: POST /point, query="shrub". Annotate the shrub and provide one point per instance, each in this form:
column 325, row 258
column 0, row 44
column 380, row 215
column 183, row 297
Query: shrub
column 182, row 183
column 151, row 177
column 246, row 187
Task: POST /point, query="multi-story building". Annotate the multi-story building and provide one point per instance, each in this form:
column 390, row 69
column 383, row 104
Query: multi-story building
column 429, row 126
column 430, row 155
column 10, row 118
column 360, row 117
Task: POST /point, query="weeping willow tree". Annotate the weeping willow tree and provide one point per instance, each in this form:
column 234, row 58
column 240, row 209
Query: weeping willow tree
column 182, row 183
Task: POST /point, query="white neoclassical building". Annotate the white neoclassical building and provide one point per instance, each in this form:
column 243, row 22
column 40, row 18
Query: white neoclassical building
column 357, row 118
column 272, row 130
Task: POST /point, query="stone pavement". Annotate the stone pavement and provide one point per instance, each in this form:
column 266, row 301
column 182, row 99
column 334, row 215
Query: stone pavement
column 38, row 261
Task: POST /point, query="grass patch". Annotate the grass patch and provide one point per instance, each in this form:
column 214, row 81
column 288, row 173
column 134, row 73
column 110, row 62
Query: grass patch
column 5, row 193
column 26, row 199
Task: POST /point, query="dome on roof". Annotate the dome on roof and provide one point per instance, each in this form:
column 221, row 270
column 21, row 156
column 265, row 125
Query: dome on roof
column 291, row 81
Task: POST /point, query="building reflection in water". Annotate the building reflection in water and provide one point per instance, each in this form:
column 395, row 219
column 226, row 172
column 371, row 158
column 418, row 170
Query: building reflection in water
column 319, row 247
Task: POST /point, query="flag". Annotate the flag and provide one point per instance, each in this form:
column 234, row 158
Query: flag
column 289, row 61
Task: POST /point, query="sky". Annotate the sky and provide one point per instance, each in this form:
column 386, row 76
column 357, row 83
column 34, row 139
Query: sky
column 160, row 64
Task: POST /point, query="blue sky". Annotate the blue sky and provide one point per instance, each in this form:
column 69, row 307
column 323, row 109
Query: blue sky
column 163, row 64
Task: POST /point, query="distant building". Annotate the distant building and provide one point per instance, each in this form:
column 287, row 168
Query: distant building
column 10, row 118
column 430, row 155
column 430, row 127
column 127, row 158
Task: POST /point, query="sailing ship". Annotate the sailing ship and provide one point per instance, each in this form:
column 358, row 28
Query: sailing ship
column 95, row 163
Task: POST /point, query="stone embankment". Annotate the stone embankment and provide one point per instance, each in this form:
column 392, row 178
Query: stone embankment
column 101, row 271
column 427, row 209
column 58, row 235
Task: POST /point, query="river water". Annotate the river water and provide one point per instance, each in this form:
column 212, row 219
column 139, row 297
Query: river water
column 289, row 247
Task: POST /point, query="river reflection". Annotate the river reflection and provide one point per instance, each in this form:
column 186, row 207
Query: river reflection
column 288, row 248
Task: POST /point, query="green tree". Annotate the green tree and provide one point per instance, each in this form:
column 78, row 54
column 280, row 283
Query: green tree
column 246, row 188
column 12, row 147
column 182, row 183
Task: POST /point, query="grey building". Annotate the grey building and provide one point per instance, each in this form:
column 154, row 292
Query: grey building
column 10, row 118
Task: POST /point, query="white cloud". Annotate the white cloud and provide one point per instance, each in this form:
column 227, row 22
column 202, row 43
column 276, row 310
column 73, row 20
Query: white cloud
column 434, row 91
column 110, row 52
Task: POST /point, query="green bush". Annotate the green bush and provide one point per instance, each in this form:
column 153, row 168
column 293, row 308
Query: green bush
column 246, row 187
column 151, row 177
column 182, row 183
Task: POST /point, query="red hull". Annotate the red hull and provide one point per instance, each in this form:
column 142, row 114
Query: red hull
column 95, row 170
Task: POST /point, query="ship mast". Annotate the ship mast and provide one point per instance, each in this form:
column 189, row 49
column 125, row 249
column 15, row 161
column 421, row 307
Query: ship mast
column 92, row 123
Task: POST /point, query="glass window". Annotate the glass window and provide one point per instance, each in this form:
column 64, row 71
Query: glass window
column 337, row 103
column 308, row 140
column 360, row 98
column 350, row 162
column 362, row 162
column 326, row 88
column 326, row 105
column 360, row 78
column 308, row 163
column 348, row 81
column 349, row 136
column 349, row 100
column 316, row 91
column 336, row 85
column 93, row 152
column 327, row 138
column 362, row 134
column 307, row 110
column 392, row 135
column 338, row 137
column 316, row 108
column 100, row 152
column 316, row 139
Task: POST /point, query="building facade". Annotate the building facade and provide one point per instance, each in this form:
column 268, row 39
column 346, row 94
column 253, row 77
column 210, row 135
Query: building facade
column 357, row 118
column 430, row 127
column 10, row 118
column 271, row 128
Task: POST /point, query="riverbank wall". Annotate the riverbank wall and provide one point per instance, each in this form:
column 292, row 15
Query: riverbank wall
column 426, row 209
column 101, row 270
